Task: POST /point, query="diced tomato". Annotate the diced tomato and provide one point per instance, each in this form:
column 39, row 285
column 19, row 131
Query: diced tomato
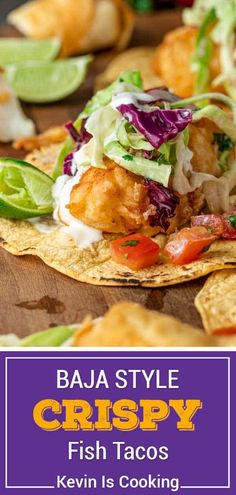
column 188, row 244
column 229, row 220
column 220, row 225
column 213, row 223
column 226, row 331
column 135, row 251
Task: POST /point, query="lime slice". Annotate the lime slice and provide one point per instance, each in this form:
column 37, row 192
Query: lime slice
column 53, row 337
column 45, row 82
column 17, row 50
column 25, row 191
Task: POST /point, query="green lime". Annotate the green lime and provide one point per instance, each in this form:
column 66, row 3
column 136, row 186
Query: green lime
column 17, row 50
column 53, row 337
column 44, row 82
column 25, row 191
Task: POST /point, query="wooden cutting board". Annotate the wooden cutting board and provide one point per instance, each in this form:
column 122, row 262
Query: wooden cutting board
column 34, row 297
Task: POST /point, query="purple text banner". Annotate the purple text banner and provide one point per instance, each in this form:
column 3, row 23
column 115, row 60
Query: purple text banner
column 118, row 422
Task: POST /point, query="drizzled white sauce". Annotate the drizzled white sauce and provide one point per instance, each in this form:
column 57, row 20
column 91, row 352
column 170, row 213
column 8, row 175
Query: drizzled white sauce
column 44, row 224
column 82, row 234
column 127, row 98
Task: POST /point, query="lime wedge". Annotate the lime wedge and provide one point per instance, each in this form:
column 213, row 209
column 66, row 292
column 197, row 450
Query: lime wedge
column 25, row 191
column 53, row 337
column 45, row 82
column 17, row 50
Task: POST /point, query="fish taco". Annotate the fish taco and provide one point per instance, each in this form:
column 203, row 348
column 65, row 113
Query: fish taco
column 142, row 192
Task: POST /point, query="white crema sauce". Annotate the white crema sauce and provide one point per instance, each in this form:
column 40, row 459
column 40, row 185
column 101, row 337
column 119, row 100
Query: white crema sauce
column 82, row 234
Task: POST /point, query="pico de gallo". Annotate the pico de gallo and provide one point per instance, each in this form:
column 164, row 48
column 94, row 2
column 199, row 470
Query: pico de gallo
column 137, row 251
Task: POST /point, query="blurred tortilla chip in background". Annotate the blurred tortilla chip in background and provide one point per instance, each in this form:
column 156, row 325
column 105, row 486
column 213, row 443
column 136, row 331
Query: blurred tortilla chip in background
column 124, row 323
column 78, row 24
column 52, row 135
column 216, row 303
column 129, row 324
column 133, row 59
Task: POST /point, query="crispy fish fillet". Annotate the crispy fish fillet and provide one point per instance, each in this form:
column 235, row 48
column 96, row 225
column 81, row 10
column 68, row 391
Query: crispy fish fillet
column 205, row 152
column 116, row 201
column 111, row 199
column 173, row 58
column 79, row 24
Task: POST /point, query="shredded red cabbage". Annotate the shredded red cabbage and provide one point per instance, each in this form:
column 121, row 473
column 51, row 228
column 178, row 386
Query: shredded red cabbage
column 157, row 126
column 74, row 134
column 67, row 167
column 80, row 137
column 165, row 201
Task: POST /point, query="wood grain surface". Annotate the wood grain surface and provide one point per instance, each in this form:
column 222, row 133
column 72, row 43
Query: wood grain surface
column 34, row 296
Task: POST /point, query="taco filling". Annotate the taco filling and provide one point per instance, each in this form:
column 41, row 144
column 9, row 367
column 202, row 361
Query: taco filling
column 144, row 162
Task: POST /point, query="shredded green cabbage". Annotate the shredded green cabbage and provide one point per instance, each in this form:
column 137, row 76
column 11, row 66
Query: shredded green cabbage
column 203, row 53
column 219, row 117
column 100, row 99
column 130, row 138
column 138, row 165
column 104, row 96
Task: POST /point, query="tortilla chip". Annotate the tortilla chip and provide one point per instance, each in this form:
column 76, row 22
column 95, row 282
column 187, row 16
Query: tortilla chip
column 134, row 59
column 94, row 264
column 129, row 324
column 53, row 135
column 216, row 303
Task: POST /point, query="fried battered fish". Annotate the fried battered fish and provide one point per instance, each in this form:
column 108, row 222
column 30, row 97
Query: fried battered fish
column 79, row 24
column 205, row 152
column 115, row 200
column 111, row 199
column 172, row 62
